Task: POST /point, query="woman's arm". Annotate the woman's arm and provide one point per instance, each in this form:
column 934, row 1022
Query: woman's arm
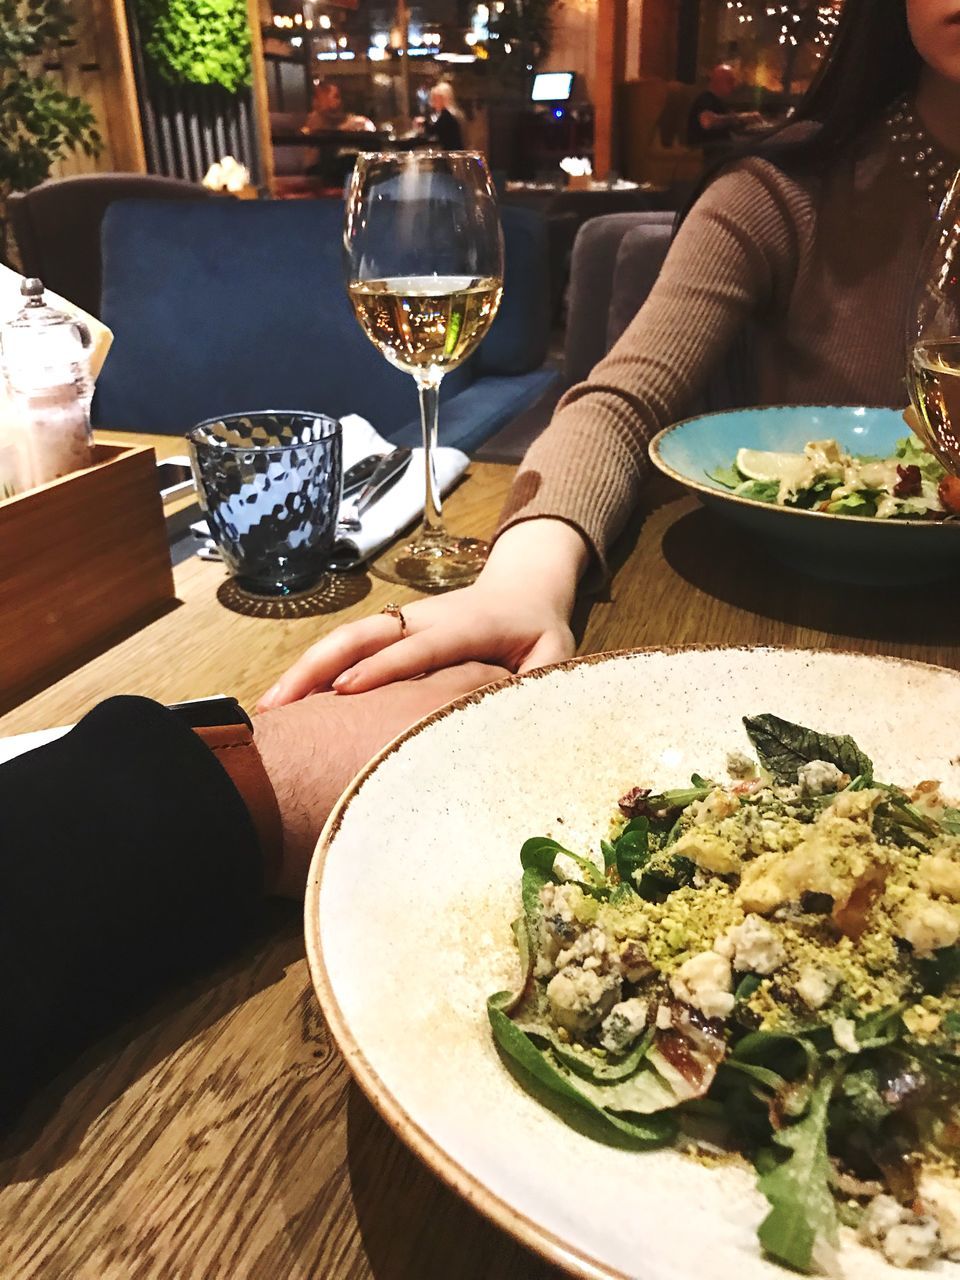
column 734, row 257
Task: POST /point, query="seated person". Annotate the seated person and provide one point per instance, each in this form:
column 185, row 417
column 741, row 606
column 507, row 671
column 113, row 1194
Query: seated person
column 712, row 121
column 327, row 112
column 793, row 269
column 136, row 849
column 444, row 125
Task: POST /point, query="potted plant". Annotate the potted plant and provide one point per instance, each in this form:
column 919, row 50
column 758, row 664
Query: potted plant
column 39, row 123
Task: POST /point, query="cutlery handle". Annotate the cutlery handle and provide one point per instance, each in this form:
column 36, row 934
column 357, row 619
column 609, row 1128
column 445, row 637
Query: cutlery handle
column 387, row 473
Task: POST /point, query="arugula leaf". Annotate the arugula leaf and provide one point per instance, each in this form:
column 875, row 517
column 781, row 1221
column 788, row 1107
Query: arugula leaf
column 879, row 1029
column 802, row 1221
column 651, row 1131
column 729, row 477
column 950, row 821
column 792, row 1057
column 783, row 747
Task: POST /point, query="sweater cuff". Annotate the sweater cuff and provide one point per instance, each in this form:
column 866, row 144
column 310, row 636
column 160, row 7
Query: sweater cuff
column 567, row 477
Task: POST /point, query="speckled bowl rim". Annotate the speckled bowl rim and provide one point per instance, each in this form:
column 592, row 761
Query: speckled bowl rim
column 725, row 495
column 526, row 1230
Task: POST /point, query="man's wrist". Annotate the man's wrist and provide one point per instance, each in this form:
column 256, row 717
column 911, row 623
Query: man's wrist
column 237, row 752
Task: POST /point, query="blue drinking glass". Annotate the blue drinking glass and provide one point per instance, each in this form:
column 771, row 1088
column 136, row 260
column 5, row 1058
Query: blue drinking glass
column 269, row 484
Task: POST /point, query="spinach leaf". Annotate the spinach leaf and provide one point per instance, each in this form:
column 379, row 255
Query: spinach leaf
column 783, row 747
column 939, row 970
column 657, row 884
column 859, row 1094
column 802, row 1223
column 951, row 1023
column 746, row 987
column 540, row 853
column 950, row 821
column 631, row 849
column 651, row 1131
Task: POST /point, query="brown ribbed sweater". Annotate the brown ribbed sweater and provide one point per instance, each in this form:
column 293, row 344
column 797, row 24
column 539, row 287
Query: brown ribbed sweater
column 823, row 266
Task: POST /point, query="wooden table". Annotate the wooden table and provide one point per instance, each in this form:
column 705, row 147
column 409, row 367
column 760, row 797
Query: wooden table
column 219, row 1134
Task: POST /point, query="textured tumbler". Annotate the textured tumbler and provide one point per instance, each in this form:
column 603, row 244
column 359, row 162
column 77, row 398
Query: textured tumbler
column 269, row 484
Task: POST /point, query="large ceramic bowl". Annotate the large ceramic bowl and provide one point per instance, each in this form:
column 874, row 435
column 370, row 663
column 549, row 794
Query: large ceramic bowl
column 839, row 548
column 417, row 877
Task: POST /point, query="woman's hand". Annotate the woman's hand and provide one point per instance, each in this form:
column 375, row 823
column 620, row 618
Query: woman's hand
column 516, row 615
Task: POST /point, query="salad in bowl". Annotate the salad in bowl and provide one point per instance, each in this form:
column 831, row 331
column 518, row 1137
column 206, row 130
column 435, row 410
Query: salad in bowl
column 838, row 492
column 767, row 965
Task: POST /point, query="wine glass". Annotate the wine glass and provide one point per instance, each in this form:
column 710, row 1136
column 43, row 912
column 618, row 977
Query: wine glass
column 424, row 262
column 933, row 349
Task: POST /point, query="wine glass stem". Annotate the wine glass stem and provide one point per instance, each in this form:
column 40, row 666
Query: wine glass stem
column 428, row 388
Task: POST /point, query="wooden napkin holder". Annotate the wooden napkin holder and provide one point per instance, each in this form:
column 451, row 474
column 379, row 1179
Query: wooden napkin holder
column 83, row 560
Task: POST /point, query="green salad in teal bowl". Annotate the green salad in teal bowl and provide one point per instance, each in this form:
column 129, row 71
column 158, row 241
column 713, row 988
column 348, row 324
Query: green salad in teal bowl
column 910, row 484
column 839, row 492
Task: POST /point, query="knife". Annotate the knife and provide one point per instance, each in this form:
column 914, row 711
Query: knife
column 386, row 473
column 356, row 477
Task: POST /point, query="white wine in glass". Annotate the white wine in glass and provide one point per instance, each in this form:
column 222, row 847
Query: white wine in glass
column 424, row 258
column 933, row 367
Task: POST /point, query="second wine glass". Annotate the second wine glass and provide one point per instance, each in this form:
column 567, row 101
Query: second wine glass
column 424, row 262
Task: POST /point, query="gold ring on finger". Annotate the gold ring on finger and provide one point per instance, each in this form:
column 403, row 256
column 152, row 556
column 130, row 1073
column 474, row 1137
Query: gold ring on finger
column 395, row 611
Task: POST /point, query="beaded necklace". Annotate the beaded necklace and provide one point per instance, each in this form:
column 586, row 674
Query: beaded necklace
column 926, row 161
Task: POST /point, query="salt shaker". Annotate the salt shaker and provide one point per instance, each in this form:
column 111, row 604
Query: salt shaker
column 46, row 365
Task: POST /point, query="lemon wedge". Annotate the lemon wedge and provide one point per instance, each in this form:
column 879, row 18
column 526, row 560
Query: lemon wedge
column 756, row 464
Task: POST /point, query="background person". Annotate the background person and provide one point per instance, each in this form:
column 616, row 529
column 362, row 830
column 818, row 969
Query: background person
column 712, row 120
column 444, row 124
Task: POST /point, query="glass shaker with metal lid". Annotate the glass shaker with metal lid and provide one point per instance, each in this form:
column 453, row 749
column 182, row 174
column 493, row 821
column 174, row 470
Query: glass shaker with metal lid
column 46, row 364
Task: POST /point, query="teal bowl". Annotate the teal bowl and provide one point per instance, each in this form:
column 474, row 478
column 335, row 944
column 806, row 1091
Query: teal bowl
column 852, row 549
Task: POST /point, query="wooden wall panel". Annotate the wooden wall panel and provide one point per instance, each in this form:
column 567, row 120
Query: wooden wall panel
column 98, row 69
column 610, row 74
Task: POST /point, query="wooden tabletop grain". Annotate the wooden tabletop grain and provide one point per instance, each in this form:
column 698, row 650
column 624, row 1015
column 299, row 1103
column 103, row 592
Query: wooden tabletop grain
column 219, row 1134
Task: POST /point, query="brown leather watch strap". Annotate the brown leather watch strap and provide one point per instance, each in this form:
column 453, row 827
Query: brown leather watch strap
column 234, row 747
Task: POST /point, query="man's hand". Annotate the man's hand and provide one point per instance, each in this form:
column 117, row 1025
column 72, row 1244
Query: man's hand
column 312, row 748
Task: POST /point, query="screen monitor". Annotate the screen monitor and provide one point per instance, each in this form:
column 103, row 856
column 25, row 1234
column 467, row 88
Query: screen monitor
column 552, row 86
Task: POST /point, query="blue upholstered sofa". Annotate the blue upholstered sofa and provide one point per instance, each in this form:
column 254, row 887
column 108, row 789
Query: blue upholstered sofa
column 227, row 305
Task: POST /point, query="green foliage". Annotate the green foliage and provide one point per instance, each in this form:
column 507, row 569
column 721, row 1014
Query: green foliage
column 204, row 42
column 525, row 26
column 39, row 123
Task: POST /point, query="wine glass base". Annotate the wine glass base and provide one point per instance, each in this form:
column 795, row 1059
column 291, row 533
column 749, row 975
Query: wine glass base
column 439, row 562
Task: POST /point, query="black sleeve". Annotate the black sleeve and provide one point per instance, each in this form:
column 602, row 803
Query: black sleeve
column 706, row 101
column 127, row 858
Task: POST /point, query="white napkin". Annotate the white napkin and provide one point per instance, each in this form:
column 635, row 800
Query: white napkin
column 402, row 504
column 398, row 507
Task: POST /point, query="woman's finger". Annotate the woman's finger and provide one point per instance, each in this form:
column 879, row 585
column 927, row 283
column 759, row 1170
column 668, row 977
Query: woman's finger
column 417, row 654
column 324, row 661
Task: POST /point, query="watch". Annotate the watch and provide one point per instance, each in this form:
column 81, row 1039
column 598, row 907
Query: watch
column 227, row 730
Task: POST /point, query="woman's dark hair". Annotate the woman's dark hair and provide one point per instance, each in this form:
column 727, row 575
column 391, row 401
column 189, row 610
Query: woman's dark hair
column 871, row 61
